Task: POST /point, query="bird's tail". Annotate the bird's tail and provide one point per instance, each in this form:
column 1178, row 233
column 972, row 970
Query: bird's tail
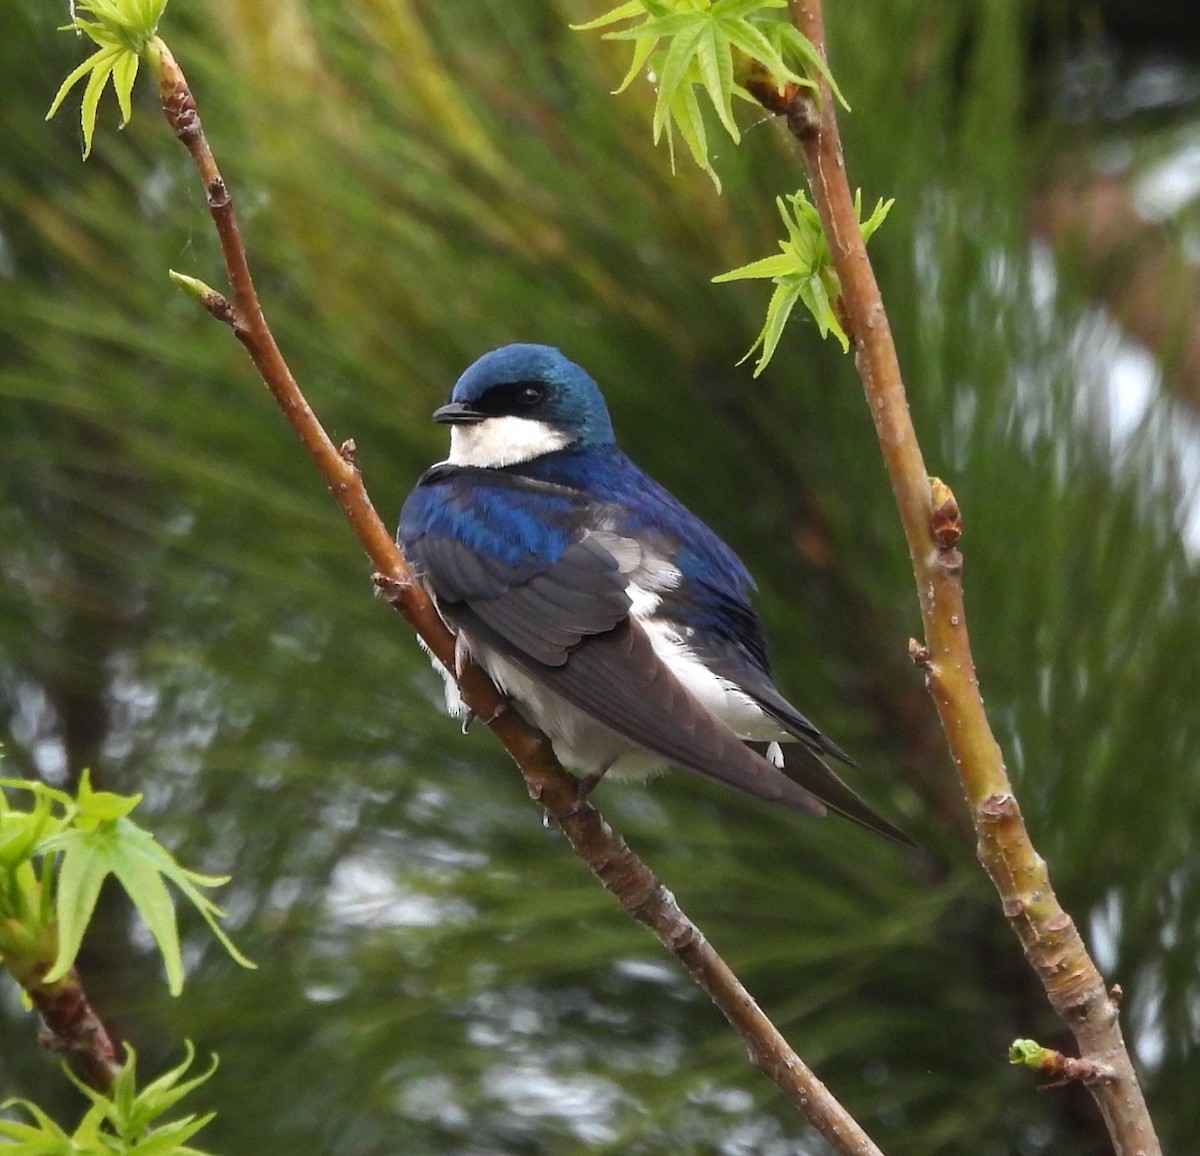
column 807, row 769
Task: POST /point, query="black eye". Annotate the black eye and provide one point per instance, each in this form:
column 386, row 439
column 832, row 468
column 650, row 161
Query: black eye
column 527, row 394
column 511, row 397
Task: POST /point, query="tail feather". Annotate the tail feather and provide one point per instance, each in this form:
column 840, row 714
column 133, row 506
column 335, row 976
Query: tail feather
column 808, row 770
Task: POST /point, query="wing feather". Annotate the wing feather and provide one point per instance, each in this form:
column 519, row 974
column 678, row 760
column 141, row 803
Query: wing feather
column 619, row 680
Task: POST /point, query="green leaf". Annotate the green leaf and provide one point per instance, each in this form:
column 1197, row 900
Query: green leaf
column 783, row 299
column 40, row 789
column 73, row 78
column 20, row 831
column 803, row 271
column 700, row 41
column 189, row 883
column 676, row 64
column 790, row 41
column 686, row 115
column 41, row 1138
column 130, row 1113
column 815, row 296
column 124, row 74
column 124, row 1119
column 124, row 30
column 716, row 67
column 117, row 846
column 99, row 806
column 877, row 217
column 756, row 44
column 162, row 1094
column 169, row 1139
column 612, row 16
column 777, row 266
column 144, row 885
column 670, row 25
column 642, row 51
column 84, row 869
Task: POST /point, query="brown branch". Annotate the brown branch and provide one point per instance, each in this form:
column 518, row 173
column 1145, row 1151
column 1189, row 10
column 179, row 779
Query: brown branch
column 604, row 852
column 932, row 526
column 74, row 1030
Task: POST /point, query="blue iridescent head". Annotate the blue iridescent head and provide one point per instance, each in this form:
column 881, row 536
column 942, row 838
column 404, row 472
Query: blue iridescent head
column 520, row 402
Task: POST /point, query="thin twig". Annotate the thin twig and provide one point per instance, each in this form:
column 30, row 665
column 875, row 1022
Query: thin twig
column 604, row 852
column 932, row 526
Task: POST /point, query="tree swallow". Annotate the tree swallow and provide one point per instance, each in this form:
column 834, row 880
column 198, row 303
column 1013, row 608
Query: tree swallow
column 613, row 617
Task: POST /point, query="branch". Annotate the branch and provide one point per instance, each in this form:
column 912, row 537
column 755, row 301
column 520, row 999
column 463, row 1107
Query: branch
column 73, row 1029
column 604, row 852
column 932, row 525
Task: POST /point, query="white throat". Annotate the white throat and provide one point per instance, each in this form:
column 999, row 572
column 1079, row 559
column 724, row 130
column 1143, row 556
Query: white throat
column 504, row 441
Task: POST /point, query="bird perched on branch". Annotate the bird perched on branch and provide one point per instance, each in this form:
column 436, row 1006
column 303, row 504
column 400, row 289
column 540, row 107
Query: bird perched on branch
column 616, row 620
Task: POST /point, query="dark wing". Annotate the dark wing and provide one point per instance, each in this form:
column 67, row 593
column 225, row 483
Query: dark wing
column 730, row 661
column 803, row 762
column 543, row 617
column 519, row 566
column 618, row 679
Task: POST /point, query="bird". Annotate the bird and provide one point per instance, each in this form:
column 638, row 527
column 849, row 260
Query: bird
column 614, row 618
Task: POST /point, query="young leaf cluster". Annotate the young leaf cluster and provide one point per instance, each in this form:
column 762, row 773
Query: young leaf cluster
column 124, row 31
column 705, row 45
column 122, row 1120
column 55, row 857
column 802, row 272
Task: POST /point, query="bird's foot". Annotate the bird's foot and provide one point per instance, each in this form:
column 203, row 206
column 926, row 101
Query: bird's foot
column 584, row 786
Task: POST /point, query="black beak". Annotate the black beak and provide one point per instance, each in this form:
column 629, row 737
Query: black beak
column 457, row 413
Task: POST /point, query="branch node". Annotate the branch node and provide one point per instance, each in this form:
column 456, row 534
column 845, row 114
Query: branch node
column 1116, row 993
column 215, row 303
column 348, row 451
column 1063, row 1069
column 685, row 935
column 761, row 84
column 217, row 193
column 179, row 107
column 945, row 516
column 803, row 115
column 390, row 588
column 998, row 808
column 950, row 560
column 1061, row 922
column 918, row 654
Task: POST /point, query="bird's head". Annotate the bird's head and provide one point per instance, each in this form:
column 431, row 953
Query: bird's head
column 520, row 402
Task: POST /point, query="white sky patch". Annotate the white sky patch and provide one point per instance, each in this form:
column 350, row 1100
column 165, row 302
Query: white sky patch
column 1164, row 190
column 1131, row 386
column 585, row 1103
column 365, row 891
column 1133, row 389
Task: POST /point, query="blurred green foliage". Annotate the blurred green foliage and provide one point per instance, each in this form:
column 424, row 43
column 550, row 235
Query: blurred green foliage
column 184, row 612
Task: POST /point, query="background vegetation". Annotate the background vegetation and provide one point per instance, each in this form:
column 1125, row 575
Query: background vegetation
column 183, row 611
